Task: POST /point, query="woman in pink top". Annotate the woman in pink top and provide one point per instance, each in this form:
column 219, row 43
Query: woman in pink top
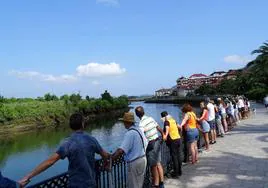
column 204, row 124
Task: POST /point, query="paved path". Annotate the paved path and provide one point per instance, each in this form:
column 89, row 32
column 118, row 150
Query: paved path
column 239, row 160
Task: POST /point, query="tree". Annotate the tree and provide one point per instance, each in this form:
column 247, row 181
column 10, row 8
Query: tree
column 2, row 99
column 227, row 87
column 66, row 99
column 205, row 89
column 75, row 98
column 50, row 97
column 262, row 50
column 260, row 65
column 106, row 96
column 40, row 99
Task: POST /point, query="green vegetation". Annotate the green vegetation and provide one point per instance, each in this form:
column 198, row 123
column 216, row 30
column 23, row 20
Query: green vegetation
column 252, row 81
column 13, row 144
column 51, row 110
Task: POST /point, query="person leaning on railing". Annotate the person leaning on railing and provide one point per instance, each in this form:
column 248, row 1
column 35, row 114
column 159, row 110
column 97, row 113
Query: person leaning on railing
column 133, row 146
column 80, row 149
column 211, row 120
column 153, row 152
column 173, row 141
column 190, row 125
column 204, row 124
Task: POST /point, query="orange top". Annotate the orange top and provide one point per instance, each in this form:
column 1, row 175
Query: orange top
column 192, row 120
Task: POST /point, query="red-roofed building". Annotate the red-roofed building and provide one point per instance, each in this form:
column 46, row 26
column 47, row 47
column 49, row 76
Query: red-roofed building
column 188, row 85
column 194, row 76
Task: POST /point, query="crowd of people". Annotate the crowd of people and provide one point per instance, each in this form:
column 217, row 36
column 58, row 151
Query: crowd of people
column 141, row 144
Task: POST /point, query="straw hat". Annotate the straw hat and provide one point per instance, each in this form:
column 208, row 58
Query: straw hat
column 128, row 117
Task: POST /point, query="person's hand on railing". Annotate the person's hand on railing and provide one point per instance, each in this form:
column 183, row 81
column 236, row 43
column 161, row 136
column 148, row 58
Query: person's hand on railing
column 107, row 164
column 24, row 181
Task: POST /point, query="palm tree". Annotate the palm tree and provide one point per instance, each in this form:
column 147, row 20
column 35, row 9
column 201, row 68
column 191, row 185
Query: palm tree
column 263, row 50
column 259, row 66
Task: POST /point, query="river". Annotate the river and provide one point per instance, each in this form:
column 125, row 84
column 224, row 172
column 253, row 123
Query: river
column 20, row 154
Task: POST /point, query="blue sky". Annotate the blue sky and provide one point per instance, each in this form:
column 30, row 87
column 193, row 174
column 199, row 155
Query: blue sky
column 125, row 46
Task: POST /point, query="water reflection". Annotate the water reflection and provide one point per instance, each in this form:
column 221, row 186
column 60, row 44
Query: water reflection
column 20, row 154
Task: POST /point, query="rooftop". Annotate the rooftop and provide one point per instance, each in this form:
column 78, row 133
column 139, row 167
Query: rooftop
column 163, row 90
column 217, row 72
column 198, row 75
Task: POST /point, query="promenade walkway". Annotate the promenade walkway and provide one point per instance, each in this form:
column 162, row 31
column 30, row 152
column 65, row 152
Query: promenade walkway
column 239, row 160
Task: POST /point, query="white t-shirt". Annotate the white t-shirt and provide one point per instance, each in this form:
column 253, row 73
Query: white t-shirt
column 266, row 100
column 211, row 112
column 240, row 103
column 222, row 109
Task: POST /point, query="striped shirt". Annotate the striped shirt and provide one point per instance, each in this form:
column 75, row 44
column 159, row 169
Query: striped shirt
column 148, row 126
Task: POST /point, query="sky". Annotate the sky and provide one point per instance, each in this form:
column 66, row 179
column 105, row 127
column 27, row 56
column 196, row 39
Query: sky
column 131, row 47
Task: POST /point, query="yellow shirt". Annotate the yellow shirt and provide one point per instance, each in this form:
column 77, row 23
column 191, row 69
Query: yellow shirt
column 192, row 120
column 173, row 129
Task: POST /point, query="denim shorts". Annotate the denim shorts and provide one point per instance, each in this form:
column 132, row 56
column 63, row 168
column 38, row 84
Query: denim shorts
column 212, row 124
column 153, row 152
column 192, row 135
column 205, row 126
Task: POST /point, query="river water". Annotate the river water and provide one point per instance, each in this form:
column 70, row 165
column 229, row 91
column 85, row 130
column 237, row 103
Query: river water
column 20, row 154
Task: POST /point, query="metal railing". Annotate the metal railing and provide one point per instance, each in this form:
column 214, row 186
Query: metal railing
column 117, row 177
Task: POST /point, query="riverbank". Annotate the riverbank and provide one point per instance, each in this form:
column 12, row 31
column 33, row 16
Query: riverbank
column 18, row 128
column 20, row 115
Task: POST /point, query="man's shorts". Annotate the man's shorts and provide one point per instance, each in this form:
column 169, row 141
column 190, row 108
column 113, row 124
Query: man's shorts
column 212, row 124
column 153, row 152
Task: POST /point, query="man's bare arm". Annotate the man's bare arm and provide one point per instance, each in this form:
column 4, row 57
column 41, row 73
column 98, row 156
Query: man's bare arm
column 41, row 168
column 160, row 130
column 166, row 133
column 104, row 154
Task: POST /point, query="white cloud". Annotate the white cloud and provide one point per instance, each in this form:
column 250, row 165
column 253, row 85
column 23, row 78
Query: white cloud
column 108, row 2
column 237, row 59
column 65, row 78
column 99, row 70
column 90, row 71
